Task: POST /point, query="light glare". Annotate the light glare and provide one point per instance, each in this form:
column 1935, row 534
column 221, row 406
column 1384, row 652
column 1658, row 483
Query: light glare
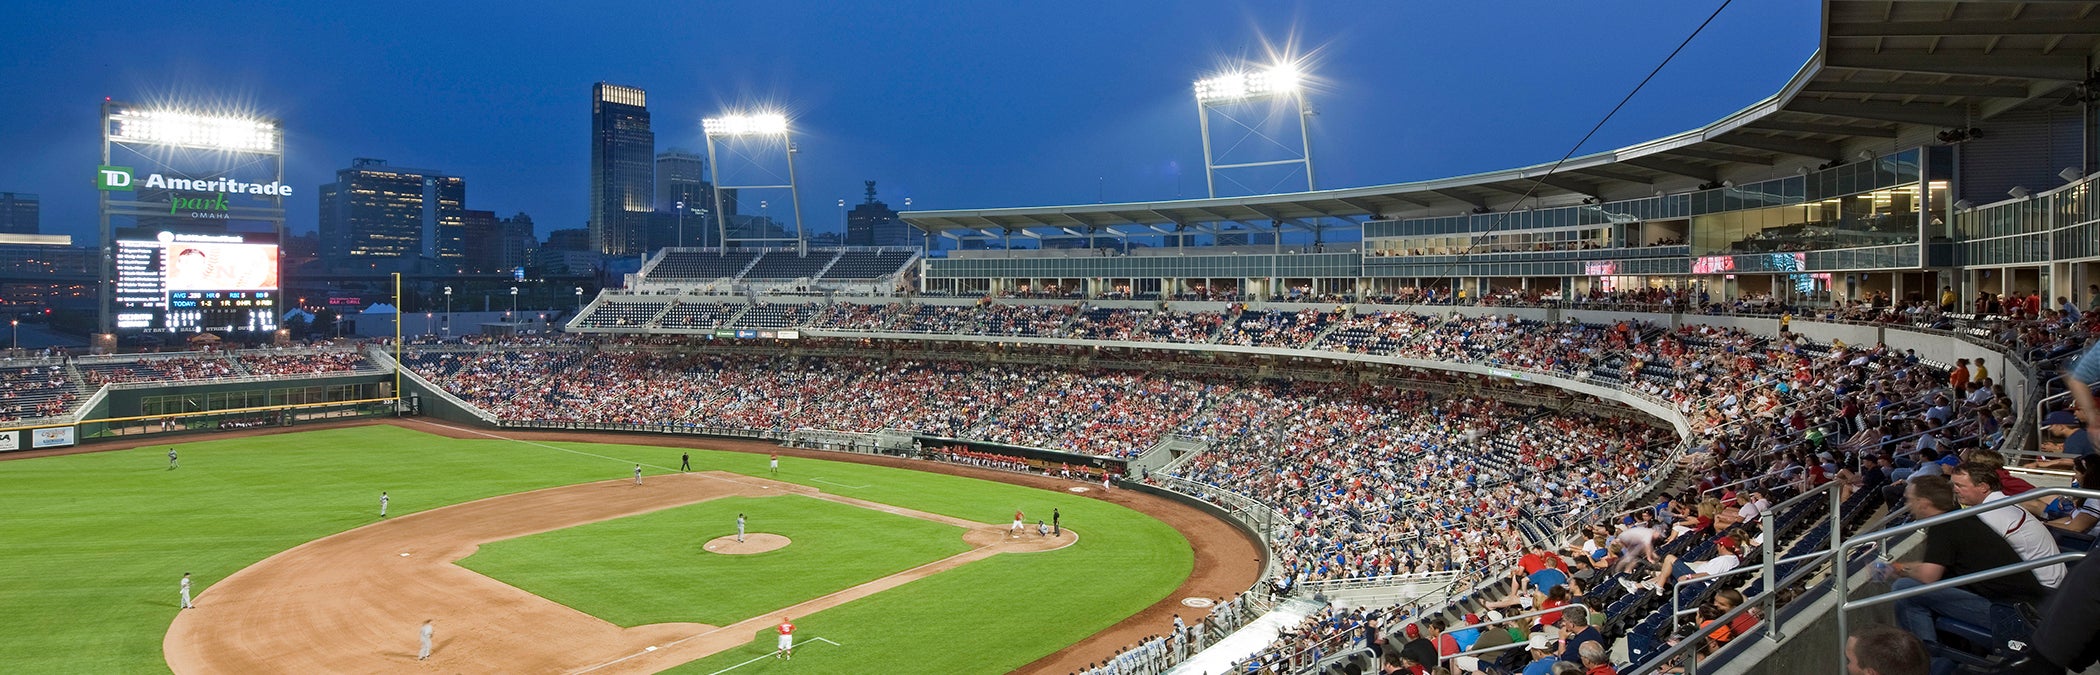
column 187, row 129
column 1278, row 80
column 763, row 124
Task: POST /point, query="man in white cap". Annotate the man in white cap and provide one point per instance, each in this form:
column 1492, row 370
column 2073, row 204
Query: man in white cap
column 1542, row 655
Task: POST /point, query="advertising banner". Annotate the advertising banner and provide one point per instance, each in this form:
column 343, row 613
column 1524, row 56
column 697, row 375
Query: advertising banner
column 51, row 437
column 10, row 440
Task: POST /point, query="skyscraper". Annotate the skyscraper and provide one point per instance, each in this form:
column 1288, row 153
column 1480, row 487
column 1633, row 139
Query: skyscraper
column 482, row 241
column 383, row 217
column 19, row 213
column 873, row 223
column 516, row 242
column 681, row 178
column 622, row 173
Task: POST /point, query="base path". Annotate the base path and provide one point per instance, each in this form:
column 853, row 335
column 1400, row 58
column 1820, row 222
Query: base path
column 352, row 602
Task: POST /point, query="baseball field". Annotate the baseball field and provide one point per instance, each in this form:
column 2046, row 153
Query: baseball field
column 544, row 556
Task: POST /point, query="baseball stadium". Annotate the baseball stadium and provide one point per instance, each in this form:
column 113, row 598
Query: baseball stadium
column 1716, row 402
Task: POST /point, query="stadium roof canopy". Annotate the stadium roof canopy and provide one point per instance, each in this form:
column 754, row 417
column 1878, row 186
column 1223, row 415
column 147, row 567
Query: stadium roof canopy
column 1887, row 75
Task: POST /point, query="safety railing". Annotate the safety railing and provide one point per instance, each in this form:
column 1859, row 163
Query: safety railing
column 1330, row 587
column 1767, row 598
column 1484, row 625
column 1840, row 547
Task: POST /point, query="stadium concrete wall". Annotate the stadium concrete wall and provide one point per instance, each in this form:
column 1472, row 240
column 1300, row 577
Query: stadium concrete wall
column 1246, row 530
column 128, row 400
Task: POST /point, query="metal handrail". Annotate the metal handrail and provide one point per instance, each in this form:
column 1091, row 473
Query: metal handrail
column 1964, row 580
column 1839, row 546
column 1768, row 598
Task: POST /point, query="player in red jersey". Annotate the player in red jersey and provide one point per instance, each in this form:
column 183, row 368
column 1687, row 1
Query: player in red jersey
column 786, row 648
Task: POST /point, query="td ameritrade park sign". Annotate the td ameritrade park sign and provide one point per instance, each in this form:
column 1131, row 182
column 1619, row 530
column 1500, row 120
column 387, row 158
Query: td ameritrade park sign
column 121, row 179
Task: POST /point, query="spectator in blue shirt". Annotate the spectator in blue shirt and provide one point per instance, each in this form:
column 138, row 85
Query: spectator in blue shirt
column 2080, row 379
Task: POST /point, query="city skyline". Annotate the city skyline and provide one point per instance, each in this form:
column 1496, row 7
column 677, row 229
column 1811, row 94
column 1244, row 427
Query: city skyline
column 943, row 108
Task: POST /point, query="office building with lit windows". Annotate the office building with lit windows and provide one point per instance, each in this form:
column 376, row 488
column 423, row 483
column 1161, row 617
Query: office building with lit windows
column 381, row 217
column 623, row 178
column 19, row 213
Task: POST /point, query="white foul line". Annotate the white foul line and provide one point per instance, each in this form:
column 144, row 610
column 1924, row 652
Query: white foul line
column 843, row 485
column 770, row 654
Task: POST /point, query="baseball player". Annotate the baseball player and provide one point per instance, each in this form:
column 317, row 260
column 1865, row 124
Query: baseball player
column 171, row 459
column 785, row 649
column 739, row 528
column 774, row 464
column 186, row 591
column 1015, row 530
column 382, row 503
column 424, row 653
column 685, row 461
column 637, row 474
column 1057, row 526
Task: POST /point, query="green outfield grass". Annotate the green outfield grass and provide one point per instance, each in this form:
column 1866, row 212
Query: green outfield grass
column 92, row 544
column 651, row 568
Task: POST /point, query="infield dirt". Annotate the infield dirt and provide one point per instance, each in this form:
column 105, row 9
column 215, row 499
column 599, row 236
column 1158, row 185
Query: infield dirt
column 352, row 601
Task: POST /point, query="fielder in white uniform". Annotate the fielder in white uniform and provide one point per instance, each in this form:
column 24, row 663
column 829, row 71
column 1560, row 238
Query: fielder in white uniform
column 739, row 528
column 186, row 591
column 424, row 653
column 637, row 474
column 171, row 459
column 382, row 503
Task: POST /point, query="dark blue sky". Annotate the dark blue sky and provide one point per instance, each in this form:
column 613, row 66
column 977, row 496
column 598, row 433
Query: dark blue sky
column 955, row 104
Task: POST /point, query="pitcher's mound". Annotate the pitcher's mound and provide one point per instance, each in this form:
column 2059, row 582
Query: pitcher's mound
column 755, row 542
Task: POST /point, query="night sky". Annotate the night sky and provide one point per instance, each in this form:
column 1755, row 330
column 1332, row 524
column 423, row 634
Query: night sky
column 954, row 104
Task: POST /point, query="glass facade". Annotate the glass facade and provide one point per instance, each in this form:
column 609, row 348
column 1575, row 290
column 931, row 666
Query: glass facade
column 623, row 169
column 1165, row 267
column 375, row 211
column 1860, row 216
column 2019, row 232
column 1878, row 218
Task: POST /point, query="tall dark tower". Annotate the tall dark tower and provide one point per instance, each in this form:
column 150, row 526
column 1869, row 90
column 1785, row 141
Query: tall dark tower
column 623, row 170
column 873, row 223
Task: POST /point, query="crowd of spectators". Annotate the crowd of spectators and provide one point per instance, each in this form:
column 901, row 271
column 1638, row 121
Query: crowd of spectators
column 33, row 392
column 1274, row 328
column 159, row 369
column 304, row 363
column 1376, row 481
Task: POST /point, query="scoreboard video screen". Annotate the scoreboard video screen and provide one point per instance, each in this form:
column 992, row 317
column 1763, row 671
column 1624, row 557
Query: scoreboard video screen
column 184, row 282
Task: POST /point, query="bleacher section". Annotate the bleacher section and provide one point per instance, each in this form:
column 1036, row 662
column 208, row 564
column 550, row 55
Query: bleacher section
column 195, row 366
column 776, row 316
column 699, row 315
column 35, row 391
column 703, row 265
column 611, row 314
column 868, row 265
column 790, row 265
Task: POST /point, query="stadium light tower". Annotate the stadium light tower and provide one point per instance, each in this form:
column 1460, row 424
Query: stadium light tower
column 1222, row 94
column 748, row 127
column 159, row 157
